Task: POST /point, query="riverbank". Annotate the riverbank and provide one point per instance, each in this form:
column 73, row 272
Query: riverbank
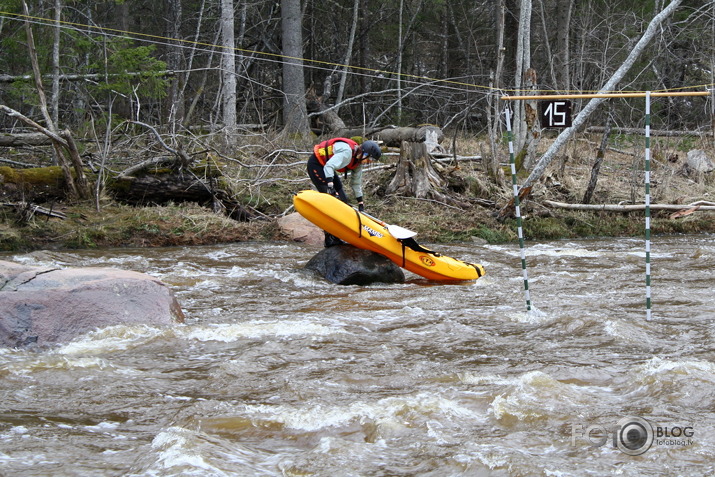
column 473, row 217
column 117, row 225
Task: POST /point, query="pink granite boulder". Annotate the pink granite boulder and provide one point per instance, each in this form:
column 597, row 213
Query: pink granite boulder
column 41, row 306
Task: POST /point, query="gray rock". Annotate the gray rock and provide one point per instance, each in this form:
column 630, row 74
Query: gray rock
column 698, row 161
column 349, row 265
column 41, row 306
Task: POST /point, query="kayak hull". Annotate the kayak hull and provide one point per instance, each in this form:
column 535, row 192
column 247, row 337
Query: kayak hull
column 363, row 231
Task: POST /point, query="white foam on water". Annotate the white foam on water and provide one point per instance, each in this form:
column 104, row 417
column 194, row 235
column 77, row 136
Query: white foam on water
column 102, row 427
column 113, row 338
column 537, row 395
column 534, row 316
column 24, row 366
column 254, row 329
column 487, row 379
column 219, row 255
column 190, row 271
column 387, row 412
column 208, row 284
column 696, row 368
column 178, row 450
column 563, row 250
column 627, row 331
column 295, row 278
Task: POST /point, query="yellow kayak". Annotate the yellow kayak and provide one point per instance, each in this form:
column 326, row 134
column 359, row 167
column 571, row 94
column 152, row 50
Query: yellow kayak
column 369, row 233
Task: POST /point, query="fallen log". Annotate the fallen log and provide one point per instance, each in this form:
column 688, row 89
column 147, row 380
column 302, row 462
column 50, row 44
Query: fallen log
column 27, row 210
column 24, row 139
column 641, row 131
column 35, row 184
column 394, row 137
column 701, row 205
column 63, row 143
column 162, row 186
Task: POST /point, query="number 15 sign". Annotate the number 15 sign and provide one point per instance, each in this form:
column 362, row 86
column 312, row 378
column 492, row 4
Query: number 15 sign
column 555, row 113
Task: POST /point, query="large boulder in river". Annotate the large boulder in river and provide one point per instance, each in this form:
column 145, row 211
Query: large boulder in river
column 349, row 265
column 41, row 305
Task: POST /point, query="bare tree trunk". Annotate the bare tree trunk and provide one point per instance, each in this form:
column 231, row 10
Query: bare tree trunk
column 55, row 96
column 202, row 85
column 36, row 71
column 547, row 43
column 712, row 75
column 523, row 63
column 348, row 53
column 190, row 62
column 597, row 163
column 173, row 30
column 493, row 102
column 228, row 67
column 295, row 113
column 563, row 58
column 610, row 85
column 66, row 170
column 364, row 44
column 399, row 61
column 533, row 125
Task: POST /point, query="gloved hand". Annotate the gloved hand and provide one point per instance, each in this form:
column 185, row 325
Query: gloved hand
column 331, row 189
column 361, row 207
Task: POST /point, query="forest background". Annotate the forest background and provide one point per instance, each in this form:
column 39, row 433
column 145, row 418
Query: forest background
column 233, row 94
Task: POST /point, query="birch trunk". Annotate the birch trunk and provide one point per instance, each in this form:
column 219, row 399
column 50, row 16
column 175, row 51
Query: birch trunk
column 55, row 96
column 494, row 170
column 523, row 63
column 228, row 71
column 610, row 85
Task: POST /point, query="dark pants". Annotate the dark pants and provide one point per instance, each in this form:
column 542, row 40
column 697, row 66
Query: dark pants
column 317, row 177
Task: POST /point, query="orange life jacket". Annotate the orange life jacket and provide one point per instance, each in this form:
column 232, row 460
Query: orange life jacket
column 324, row 151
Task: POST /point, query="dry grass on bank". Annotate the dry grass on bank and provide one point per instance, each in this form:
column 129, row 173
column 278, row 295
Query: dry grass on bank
column 269, row 190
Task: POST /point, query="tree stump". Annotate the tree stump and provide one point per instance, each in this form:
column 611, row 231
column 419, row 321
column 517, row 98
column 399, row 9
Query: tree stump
column 415, row 176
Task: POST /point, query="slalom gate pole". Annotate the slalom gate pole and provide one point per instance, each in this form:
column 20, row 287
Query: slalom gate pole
column 647, row 207
column 517, row 207
column 647, row 95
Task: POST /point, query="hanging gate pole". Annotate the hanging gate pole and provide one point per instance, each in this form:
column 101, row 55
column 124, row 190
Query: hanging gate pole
column 517, row 208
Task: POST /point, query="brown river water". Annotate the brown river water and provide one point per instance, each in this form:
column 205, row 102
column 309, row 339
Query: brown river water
column 277, row 372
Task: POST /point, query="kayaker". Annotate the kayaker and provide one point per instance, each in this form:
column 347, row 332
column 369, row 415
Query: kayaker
column 340, row 155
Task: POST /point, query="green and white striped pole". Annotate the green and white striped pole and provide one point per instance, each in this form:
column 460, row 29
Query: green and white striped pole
column 517, row 207
column 647, row 206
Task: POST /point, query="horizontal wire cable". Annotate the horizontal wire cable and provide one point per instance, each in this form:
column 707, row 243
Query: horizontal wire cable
column 451, row 84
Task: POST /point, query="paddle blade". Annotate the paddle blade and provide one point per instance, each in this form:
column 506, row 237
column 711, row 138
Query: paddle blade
column 400, row 232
